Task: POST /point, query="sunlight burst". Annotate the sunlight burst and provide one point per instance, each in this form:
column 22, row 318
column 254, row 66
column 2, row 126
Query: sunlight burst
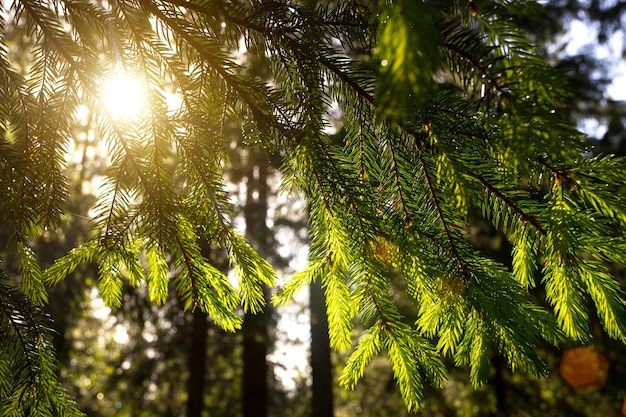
column 123, row 97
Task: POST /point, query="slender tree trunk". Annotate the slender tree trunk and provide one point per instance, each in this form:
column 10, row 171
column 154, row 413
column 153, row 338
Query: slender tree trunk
column 500, row 386
column 197, row 363
column 256, row 327
column 255, row 368
column 321, row 366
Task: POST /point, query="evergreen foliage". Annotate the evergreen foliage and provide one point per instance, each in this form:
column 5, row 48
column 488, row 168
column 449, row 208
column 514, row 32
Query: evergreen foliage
column 448, row 109
column 28, row 385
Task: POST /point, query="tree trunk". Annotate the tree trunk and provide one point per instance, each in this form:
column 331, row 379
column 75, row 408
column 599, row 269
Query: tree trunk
column 256, row 327
column 197, row 364
column 321, row 366
column 255, row 368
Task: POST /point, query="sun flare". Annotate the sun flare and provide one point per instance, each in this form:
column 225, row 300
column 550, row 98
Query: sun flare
column 123, row 97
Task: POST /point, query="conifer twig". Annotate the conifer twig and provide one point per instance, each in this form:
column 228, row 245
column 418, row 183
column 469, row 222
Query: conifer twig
column 517, row 209
column 433, row 193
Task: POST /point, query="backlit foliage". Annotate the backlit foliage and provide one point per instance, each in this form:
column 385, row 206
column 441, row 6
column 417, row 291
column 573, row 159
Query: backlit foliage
column 447, row 110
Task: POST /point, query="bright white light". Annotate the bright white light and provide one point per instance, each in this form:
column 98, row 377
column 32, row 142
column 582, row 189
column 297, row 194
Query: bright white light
column 582, row 37
column 120, row 335
column 174, row 102
column 82, row 114
column 123, row 97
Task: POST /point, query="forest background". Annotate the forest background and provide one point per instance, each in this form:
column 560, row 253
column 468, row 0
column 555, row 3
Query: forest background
column 139, row 358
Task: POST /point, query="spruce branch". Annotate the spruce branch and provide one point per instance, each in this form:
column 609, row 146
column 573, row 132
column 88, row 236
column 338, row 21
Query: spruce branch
column 9, row 300
column 49, row 27
column 525, row 217
column 396, row 170
column 358, row 89
column 442, row 218
column 355, row 206
column 31, row 386
column 439, row 139
column 484, row 69
column 188, row 261
column 263, row 116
